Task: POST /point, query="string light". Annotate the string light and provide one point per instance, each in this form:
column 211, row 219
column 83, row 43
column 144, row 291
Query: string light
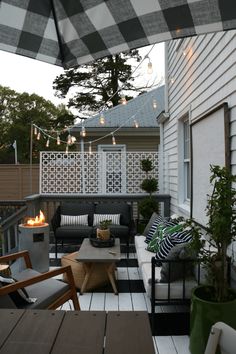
column 69, row 141
column 123, row 99
column 113, row 140
column 48, row 143
column 58, row 140
column 154, row 103
column 35, row 131
column 172, row 80
column 83, row 132
column 184, row 52
column 38, row 136
column 102, row 119
column 136, row 123
column 149, row 69
column 90, row 147
column 73, row 140
column 67, row 148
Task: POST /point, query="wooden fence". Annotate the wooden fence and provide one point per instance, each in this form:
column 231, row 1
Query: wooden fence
column 15, row 181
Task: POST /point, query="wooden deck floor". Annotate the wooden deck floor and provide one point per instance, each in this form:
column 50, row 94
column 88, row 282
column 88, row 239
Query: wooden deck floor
column 130, row 301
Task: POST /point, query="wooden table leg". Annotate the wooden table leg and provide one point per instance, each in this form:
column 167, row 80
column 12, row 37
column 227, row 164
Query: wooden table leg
column 88, row 271
column 110, row 272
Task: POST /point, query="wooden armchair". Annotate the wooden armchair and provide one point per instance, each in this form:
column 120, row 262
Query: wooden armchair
column 50, row 293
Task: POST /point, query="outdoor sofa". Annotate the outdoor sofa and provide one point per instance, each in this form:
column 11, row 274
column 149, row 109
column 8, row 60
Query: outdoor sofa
column 168, row 281
column 76, row 230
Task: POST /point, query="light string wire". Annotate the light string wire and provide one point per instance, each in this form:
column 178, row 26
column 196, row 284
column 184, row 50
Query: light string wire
column 46, row 132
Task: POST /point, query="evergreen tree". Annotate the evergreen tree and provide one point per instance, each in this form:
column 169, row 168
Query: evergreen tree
column 93, row 84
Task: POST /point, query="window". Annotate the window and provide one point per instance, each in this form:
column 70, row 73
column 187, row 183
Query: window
column 184, row 185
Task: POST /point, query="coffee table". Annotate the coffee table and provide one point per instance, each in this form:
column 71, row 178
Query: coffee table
column 91, row 255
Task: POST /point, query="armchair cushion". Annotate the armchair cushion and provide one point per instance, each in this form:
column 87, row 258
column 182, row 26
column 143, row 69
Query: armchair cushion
column 46, row 291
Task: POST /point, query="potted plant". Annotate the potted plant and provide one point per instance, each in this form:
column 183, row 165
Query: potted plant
column 215, row 301
column 150, row 185
column 103, row 232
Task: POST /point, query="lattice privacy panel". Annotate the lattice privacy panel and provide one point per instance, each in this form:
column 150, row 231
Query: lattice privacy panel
column 103, row 173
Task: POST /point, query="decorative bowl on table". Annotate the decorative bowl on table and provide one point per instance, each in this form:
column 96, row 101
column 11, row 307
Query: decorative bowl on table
column 96, row 242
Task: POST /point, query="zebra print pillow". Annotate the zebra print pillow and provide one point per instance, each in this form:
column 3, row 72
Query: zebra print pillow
column 74, row 220
column 171, row 240
column 97, row 218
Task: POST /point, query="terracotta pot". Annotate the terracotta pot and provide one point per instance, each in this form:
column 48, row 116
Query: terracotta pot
column 103, row 234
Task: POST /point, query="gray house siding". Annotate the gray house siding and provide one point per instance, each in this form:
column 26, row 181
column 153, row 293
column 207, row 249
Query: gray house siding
column 197, row 83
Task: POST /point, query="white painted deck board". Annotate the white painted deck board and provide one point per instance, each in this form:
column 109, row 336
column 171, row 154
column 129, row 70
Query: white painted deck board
column 138, row 301
column 125, row 303
column 181, row 344
column 97, row 302
column 165, row 345
column 111, row 302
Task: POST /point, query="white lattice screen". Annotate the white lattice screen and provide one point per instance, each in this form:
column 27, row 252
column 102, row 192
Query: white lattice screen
column 99, row 172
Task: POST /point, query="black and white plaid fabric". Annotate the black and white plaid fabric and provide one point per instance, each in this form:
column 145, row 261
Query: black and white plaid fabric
column 74, row 32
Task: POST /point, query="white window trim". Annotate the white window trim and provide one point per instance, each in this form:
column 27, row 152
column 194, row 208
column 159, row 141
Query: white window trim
column 183, row 202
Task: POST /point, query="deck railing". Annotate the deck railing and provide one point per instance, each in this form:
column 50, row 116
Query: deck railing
column 11, row 214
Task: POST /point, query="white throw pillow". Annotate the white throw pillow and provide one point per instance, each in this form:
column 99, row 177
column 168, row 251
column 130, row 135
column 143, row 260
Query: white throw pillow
column 97, row 218
column 74, row 220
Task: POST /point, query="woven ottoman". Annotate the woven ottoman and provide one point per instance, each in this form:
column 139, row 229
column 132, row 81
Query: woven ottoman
column 97, row 279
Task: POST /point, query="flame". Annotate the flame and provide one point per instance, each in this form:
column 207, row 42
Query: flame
column 37, row 221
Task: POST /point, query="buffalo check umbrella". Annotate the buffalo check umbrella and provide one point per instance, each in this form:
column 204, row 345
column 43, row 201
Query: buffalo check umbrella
column 72, row 32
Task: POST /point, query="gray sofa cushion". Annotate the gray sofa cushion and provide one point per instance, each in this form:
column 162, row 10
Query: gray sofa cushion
column 46, row 291
column 73, row 232
column 123, row 209
column 78, row 208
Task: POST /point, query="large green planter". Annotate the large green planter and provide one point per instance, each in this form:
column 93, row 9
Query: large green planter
column 204, row 314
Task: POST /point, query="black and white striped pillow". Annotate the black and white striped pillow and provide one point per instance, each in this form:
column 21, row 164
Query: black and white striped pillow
column 97, row 218
column 74, row 219
column 170, row 241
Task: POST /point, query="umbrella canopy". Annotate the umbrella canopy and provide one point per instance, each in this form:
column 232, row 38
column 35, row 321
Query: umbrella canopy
column 73, row 32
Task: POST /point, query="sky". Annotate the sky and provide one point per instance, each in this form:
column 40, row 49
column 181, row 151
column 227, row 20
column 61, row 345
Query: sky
column 23, row 74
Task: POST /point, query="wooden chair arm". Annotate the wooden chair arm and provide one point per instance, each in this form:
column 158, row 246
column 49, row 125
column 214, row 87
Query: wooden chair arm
column 38, row 278
column 14, row 256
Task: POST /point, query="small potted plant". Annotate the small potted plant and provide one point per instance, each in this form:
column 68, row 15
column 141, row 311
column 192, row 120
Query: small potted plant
column 103, row 232
column 214, row 301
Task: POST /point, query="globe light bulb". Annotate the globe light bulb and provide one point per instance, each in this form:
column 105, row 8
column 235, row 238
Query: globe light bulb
column 58, row 140
column 102, row 119
column 47, row 143
column 113, row 140
column 149, row 69
column 38, row 135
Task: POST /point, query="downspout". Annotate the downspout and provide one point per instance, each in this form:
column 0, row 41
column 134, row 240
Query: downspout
column 166, row 79
column 161, row 123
